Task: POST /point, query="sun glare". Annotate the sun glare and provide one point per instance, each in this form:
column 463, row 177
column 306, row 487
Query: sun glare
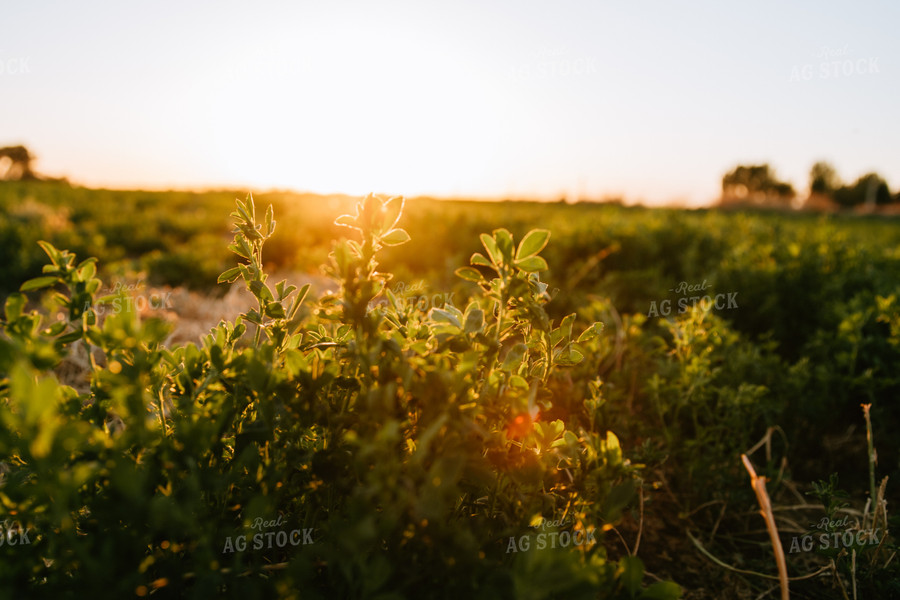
column 361, row 113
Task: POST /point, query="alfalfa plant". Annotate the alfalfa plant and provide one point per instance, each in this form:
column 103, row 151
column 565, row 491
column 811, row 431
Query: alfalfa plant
column 276, row 314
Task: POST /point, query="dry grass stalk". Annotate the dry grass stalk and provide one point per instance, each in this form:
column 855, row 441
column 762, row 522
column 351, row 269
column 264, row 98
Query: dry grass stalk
column 759, row 487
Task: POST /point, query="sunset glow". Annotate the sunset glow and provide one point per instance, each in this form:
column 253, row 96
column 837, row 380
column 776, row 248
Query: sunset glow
column 583, row 100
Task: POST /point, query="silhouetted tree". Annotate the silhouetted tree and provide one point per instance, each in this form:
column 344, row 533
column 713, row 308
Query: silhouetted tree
column 823, row 179
column 18, row 161
column 869, row 189
column 756, row 183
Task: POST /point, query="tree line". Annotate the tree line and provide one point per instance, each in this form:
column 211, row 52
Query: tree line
column 758, row 184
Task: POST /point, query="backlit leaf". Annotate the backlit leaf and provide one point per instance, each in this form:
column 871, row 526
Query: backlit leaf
column 395, row 237
column 532, row 264
column 468, row 273
column 532, row 243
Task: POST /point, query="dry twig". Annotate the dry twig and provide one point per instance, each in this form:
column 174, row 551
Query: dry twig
column 759, row 486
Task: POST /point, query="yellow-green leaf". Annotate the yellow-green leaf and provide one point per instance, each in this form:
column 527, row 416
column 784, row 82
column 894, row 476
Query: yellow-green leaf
column 395, row 237
column 532, row 264
column 533, row 242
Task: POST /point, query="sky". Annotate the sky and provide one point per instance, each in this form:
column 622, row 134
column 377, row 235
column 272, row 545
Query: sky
column 652, row 101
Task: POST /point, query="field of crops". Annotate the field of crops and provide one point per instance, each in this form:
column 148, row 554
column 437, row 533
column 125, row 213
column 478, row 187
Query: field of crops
column 444, row 399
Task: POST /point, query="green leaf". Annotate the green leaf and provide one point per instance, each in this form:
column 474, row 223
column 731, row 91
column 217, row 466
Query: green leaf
column 355, row 247
column 237, row 249
column 282, row 291
column 550, row 434
column 617, row 499
column 505, row 243
column 492, row 249
column 240, row 247
column 533, row 242
column 565, row 327
column 514, row 357
column 270, row 220
column 613, row 449
column 556, row 428
column 275, row 310
column 392, row 299
column 56, row 329
column 391, row 211
column 14, row 305
column 244, row 213
column 261, row 291
column 591, row 332
column 469, row 274
column 631, row 573
column 479, row 259
column 301, row 296
column 69, row 337
column 229, row 275
column 87, row 269
column 253, row 316
column 346, row 221
column 38, row 283
column 474, row 321
column 52, row 252
column 662, row 590
column 518, row 382
column 40, row 409
column 441, row 315
column 395, row 237
column 250, row 232
column 250, row 205
column 242, row 241
column 568, row 355
column 532, row 264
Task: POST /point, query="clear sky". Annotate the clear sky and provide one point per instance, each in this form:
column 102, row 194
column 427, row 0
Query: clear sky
column 653, row 100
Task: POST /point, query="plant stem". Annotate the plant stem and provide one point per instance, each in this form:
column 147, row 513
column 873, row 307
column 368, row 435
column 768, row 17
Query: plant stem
column 872, row 456
column 759, row 486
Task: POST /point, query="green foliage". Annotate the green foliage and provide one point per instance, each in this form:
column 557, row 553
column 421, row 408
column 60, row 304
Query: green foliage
column 522, row 352
column 709, row 398
column 406, row 447
column 831, row 497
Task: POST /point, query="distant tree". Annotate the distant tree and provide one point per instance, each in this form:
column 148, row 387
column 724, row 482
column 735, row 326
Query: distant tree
column 15, row 163
column 823, row 179
column 869, row 189
column 756, row 183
